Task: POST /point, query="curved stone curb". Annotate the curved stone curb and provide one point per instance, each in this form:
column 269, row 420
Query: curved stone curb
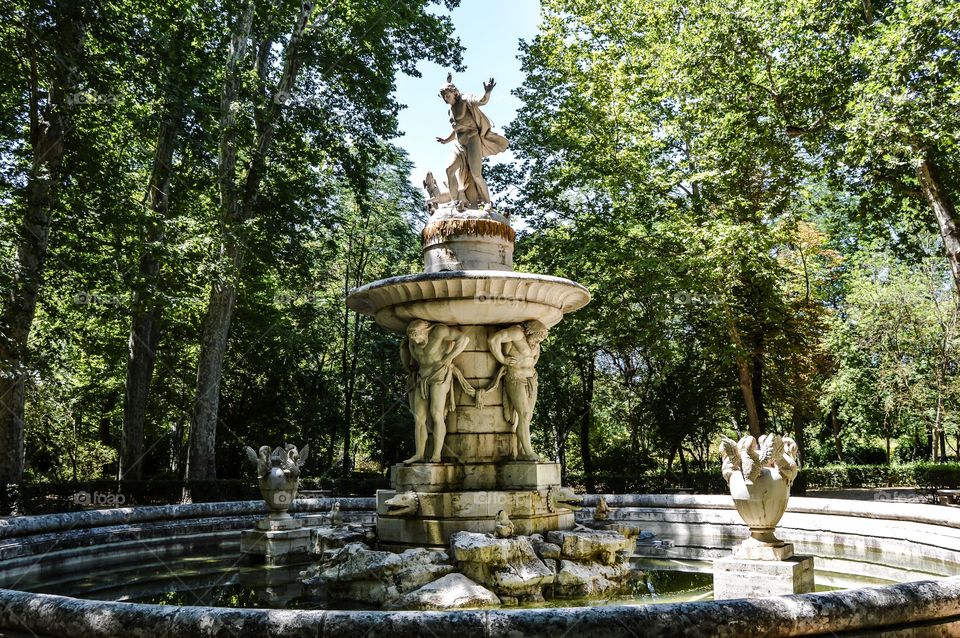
column 25, row 525
column 865, row 609
column 915, row 512
column 806, row 615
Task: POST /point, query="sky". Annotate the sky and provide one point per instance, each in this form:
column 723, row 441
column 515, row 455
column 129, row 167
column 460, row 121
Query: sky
column 490, row 31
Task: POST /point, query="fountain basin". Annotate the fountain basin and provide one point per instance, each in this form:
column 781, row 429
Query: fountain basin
column 911, row 551
column 468, row 297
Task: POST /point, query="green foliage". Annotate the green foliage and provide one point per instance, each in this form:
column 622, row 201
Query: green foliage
column 734, row 181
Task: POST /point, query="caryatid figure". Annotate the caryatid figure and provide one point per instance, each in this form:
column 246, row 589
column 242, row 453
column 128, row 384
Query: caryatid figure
column 518, row 349
column 427, row 354
column 474, row 140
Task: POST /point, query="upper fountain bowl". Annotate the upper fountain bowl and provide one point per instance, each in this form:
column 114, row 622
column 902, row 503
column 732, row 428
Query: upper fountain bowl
column 468, row 297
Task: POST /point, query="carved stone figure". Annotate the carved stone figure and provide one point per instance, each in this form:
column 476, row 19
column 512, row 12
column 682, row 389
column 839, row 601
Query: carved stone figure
column 563, row 497
column 403, row 504
column 336, row 516
column 602, row 511
column 517, row 348
column 759, row 474
column 504, row 526
column 435, row 196
column 428, row 353
column 278, row 473
column 473, row 140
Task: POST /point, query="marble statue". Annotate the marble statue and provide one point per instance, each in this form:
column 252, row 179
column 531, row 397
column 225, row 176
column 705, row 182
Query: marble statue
column 278, row 474
column 517, row 348
column 427, row 354
column 759, row 474
column 473, row 140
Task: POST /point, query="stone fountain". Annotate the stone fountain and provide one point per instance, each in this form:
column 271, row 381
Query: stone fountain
column 473, row 329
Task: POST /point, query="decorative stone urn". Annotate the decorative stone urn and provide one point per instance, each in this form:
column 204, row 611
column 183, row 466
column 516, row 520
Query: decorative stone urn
column 759, row 475
column 278, row 473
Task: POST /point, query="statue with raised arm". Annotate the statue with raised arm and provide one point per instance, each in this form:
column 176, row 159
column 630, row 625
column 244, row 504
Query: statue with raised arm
column 428, row 353
column 473, row 140
column 517, row 348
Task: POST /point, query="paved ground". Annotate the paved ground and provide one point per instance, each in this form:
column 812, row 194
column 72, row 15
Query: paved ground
column 888, row 494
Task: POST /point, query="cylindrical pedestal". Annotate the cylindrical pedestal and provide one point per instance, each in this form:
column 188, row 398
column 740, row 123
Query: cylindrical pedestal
column 469, row 240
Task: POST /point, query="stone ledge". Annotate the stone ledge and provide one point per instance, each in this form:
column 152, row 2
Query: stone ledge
column 866, row 610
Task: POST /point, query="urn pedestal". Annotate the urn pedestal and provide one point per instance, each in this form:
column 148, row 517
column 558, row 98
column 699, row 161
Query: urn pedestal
column 759, row 475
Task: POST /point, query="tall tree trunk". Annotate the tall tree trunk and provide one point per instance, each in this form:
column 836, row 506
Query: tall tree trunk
column 756, row 386
column 238, row 204
column 49, row 124
column 145, row 325
column 943, row 208
column 745, row 378
column 201, row 449
column 586, row 418
column 835, row 430
column 797, row 421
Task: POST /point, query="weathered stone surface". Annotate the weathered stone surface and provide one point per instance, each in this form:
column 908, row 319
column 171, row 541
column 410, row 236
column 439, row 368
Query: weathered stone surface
column 327, row 538
column 526, row 475
column 360, row 574
column 509, row 566
column 590, row 579
column 592, row 545
column 453, row 591
column 549, row 550
column 480, row 548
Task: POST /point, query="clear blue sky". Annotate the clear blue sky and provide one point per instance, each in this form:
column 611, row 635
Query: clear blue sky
column 490, row 31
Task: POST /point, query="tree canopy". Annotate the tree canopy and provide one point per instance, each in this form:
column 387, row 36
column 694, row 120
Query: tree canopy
column 760, row 196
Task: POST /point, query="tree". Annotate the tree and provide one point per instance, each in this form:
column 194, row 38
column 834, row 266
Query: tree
column 49, row 70
column 397, row 37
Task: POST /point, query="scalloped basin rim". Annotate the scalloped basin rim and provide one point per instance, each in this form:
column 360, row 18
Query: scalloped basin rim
column 468, row 297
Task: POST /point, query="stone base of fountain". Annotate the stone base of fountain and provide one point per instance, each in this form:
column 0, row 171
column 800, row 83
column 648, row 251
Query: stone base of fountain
column 432, row 501
column 744, row 578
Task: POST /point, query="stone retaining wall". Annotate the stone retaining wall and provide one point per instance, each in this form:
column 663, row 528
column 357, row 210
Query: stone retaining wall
column 894, row 610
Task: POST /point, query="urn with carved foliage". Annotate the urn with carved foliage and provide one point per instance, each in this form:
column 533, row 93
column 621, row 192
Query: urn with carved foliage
column 278, row 474
column 759, row 474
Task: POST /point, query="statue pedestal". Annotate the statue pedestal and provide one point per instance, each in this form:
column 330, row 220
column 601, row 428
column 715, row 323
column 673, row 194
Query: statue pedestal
column 432, row 501
column 277, row 546
column 746, row 578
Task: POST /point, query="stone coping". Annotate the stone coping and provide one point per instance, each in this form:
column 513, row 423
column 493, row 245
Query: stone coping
column 912, row 512
column 866, row 609
column 854, row 610
column 28, row 525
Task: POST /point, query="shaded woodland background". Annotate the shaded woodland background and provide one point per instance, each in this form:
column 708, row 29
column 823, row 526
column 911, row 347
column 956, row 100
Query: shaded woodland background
column 759, row 195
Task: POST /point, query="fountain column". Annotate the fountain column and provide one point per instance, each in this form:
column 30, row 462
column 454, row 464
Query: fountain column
column 469, row 286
